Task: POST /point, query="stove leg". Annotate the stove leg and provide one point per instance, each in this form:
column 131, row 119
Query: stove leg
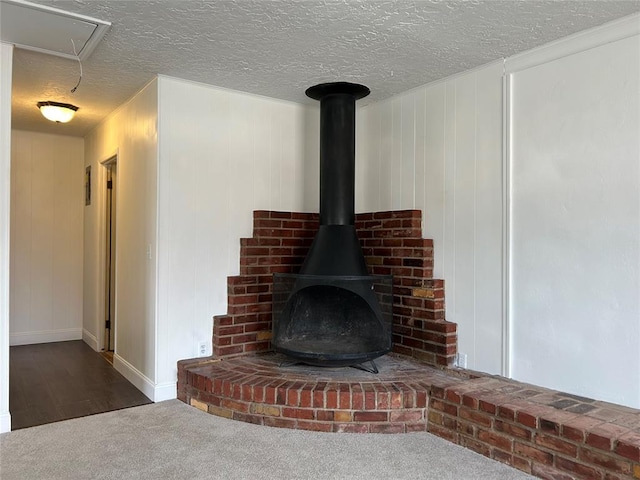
column 372, row 369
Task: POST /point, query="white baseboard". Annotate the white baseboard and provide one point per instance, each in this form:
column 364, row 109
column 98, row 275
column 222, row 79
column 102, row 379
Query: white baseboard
column 165, row 391
column 153, row 391
column 90, row 339
column 5, row 422
column 45, row 336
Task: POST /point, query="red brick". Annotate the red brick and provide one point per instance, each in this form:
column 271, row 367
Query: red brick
column 224, row 351
column 357, row 398
column 556, row 444
column 486, row 406
column 449, row 422
column 331, row 399
column 599, row 441
column 522, row 464
column 475, row 417
column 325, row 415
column 453, row 396
column 234, row 405
column 435, row 417
column 293, row 398
column 577, row 468
column 407, row 416
column 470, row 402
column 315, row 426
column 527, row 419
column 606, row 461
column 304, row 413
column 416, row 427
column 368, row 416
column 350, row 428
column 344, row 398
column 443, row 433
column 550, row 426
column 475, row 445
column 387, row 428
column 549, row 473
column 248, row 418
column 305, row 398
column 495, row 439
column 577, row 428
column 436, row 405
column 502, row 457
column 512, row 430
column 507, row 411
column 451, row 409
column 533, row 453
column 628, row 446
column 280, row 422
column 466, row 428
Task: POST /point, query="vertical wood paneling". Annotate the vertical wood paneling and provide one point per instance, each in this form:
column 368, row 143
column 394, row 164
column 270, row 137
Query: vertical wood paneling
column 419, row 175
column 244, row 153
column 374, row 179
column 20, row 288
column 488, row 195
column 274, row 152
column 434, row 170
column 261, row 174
column 41, row 251
column 46, row 237
column 407, row 150
column 465, row 221
column 431, row 141
column 396, row 154
column 310, row 133
column 131, row 132
column 449, row 237
column 67, row 241
column 386, row 155
column 363, row 160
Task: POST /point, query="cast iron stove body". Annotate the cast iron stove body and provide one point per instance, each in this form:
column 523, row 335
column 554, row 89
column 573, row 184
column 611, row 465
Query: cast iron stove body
column 333, row 313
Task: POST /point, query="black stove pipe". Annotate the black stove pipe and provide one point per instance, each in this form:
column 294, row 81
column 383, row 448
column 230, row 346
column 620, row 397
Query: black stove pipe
column 336, row 249
column 337, row 149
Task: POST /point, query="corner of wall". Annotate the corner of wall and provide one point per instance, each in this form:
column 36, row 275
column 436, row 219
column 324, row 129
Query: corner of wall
column 6, row 59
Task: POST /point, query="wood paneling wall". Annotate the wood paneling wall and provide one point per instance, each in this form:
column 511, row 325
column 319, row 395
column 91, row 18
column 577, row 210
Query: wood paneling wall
column 438, row 148
column 47, row 198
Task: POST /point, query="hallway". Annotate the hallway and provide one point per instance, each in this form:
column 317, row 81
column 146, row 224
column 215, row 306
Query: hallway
column 50, row 382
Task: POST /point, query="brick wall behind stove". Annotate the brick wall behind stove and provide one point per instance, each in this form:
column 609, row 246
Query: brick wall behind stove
column 392, row 243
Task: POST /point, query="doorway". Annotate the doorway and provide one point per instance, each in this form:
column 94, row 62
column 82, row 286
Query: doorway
column 110, row 189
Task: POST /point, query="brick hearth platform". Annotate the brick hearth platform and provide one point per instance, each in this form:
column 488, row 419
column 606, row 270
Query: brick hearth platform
column 549, row 434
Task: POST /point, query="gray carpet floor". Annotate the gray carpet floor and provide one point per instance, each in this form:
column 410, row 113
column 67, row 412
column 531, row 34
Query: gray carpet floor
column 170, row 440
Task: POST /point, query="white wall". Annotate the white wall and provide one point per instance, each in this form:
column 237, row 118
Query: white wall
column 438, row 149
column 575, row 225
column 131, row 133
column 223, row 154
column 47, row 198
column 6, row 67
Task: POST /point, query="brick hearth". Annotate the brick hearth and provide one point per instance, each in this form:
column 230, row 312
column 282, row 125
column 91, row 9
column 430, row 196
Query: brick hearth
column 549, row 434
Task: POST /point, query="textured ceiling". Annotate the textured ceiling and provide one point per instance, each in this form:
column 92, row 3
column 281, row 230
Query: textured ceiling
column 279, row 48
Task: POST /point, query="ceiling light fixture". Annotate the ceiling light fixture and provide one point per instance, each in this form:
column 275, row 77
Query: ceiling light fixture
column 57, row 112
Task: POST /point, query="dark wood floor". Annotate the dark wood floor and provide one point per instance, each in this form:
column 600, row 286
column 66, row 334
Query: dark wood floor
column 50, row 382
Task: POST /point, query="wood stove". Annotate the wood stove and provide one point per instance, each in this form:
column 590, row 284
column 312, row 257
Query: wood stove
column 333, row 313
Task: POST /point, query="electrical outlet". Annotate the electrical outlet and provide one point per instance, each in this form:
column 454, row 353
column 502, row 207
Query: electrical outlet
column 461, row 360
column 202, row 349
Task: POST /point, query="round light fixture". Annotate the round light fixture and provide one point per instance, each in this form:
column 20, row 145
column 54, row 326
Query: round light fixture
column 57, row 112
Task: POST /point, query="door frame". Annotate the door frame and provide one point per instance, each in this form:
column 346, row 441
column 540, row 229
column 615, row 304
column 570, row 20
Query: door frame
column 102, row 249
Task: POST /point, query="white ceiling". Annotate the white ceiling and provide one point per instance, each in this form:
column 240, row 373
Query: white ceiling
column 279, row 48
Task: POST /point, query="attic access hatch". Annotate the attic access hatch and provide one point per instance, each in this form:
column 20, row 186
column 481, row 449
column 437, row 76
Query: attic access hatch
column 49, row 30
